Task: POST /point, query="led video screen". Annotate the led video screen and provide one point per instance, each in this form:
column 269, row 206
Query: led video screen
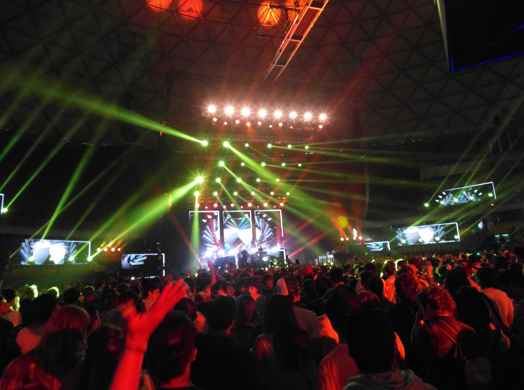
column 480, row 31
column 54, row 252
column 428, row 234
column 378, row 246
column 462, row 195
column 269, row 229
column 206, row 226
column 144, row 263
column 238, row 233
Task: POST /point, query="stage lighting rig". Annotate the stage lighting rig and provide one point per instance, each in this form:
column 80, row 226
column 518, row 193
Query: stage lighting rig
column 292, row 119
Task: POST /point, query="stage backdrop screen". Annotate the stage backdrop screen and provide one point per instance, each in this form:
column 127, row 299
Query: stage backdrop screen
column 205, row 226
column 238, row 234
column 428, row 234
column 269, row 229
column 54, row 252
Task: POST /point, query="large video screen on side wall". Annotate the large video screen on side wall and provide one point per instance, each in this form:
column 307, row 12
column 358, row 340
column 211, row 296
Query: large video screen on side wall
column 428, row 234
column 269, row 230
column 462, row 195
column 144, row 263
column 54, row 252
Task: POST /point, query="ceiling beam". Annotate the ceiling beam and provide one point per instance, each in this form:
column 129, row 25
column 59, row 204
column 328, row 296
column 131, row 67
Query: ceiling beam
column 294, row 37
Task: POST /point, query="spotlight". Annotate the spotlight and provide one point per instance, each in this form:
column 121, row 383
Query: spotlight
column 112, row 249
column 263, row 164
column 235, row 193
column 248, row 124
column 71, row 259
column 211, row 109
column 242, row 163
column 221, row 163
column 204, row 143
column 232, row 205
column 199, row 179
column 89, row 258
column 321, row 126
column 306, row 147
column 31, row 259
column 272, row 193
column 289, row 146
column 239, row 179
column 4, row 210
column 299, row 165
column 253, row 193
column 196, row 194
column 278, row 180
column 259, row 123
column 229, row 110
column 281, row 204
column 217, row 180
column 262, row 113
column 225, row 123
column 98, row 249
column 215, row 193
column 322, row 117
column 249, row 204
column 226, row 144
column 308, row 116
column 283, row 164
column 280, row 124
column 246, row 111
column 293, row 115
column 287, row 193
column 237, row 122
column 197, row 205
column 246, row 145
column 278, row 114
column 215, row 205
column 269, row 146
column 258, row 180
column 265, row 204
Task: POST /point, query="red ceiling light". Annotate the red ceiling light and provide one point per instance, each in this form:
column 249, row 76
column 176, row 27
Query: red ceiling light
column 268, row 15
column 189, row 9
column 159, row 5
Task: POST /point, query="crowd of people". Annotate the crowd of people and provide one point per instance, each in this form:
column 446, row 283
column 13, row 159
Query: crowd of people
column 422, row 322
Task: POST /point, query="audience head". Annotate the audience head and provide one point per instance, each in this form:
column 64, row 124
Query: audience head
column 455, row 279
column 341, row 300
column 406, row 287
column 188, row 307
column 151, row 291
column 221, row 312
column 246, row 311
column 71, row 296
column 435, row 301
column 70, row 317
column 336, row 274
column 370, row 340
column 472, row 308
column 171, row 348
column 128, row 298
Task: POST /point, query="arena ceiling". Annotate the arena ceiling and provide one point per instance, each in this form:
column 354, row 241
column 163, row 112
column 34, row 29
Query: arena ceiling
column 73, row 69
